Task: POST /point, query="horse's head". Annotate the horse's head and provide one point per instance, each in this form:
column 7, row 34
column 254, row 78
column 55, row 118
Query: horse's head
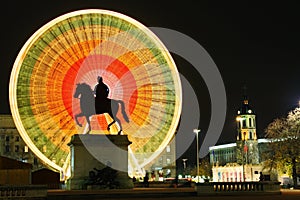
column 77, row 91
column 82, row 89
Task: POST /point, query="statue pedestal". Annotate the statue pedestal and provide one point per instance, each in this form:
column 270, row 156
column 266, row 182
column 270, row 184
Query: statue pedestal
column 98, row 151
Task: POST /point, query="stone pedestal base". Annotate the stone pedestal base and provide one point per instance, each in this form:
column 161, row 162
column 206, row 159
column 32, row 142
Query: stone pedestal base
column 98, row 151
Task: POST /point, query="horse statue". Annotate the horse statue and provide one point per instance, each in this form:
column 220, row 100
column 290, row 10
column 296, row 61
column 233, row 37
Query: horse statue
column 88, row 108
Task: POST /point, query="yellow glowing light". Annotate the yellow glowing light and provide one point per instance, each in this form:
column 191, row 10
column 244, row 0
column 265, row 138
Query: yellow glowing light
column 239, row 118
column 44, row 66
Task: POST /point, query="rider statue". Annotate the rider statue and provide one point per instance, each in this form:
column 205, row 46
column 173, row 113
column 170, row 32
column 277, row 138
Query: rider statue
column 101, row 91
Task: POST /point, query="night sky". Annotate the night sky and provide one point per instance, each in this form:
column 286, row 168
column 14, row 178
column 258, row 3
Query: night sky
column 252, row 44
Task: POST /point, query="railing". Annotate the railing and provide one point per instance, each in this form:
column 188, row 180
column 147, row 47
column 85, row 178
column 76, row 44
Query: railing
column 238, row 187
column 23, row 192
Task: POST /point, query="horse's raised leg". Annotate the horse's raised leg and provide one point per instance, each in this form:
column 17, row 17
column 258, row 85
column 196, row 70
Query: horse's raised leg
column 76, row 119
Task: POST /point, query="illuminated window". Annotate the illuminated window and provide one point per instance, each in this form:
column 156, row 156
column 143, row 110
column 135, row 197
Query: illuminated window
column 168, row 160
column 26, row 149
column 168, row 148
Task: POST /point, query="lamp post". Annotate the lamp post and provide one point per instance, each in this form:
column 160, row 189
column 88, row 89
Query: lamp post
column 243, row 142
column 197, row 131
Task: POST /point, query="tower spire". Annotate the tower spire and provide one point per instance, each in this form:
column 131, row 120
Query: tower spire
column 245, row 96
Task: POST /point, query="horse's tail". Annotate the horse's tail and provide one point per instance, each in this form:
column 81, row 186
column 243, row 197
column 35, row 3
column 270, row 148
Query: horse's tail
column 123, row 110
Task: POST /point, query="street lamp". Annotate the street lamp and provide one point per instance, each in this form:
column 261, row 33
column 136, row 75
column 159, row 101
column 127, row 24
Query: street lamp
column 243, row 139
column 197, row 131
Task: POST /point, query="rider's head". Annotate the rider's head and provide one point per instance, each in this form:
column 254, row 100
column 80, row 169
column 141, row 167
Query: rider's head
column 99, row 79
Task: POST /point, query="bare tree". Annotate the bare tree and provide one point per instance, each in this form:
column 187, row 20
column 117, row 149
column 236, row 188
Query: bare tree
column 284, row 151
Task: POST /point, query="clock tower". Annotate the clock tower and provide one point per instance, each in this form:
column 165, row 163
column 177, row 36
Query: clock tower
column 247, row 144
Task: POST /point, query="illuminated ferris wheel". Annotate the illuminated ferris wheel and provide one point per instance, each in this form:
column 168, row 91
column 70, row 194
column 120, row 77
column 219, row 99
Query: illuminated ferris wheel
column 76, row 48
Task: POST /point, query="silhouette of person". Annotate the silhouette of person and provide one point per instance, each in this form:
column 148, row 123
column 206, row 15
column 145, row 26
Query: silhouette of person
column 176, row 181
column 101, row 91
column 146, row 180
column 261, row 177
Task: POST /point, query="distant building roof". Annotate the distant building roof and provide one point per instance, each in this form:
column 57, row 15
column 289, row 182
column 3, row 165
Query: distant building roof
column 47, row 177
column 222, row 146
column 229, row 145
column 6, row 121
column 8, row 163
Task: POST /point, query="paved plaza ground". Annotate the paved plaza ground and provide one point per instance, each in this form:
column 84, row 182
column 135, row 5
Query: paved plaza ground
column 165, row 194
